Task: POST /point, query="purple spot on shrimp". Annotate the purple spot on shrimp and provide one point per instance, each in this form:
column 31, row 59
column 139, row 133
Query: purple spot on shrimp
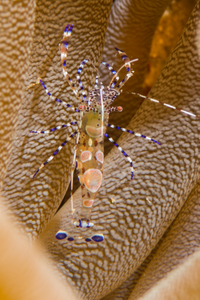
column 60, row 235
column 98, row 238
column 88, row 240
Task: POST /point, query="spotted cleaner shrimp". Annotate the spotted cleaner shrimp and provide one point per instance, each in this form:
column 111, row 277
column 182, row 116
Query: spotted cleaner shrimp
column 94, row 113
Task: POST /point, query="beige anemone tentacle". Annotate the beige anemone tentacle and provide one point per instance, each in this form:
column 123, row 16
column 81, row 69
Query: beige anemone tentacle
column 179, row 242
column 15, row 40
column 25, row 273
column 183, row 282
column 131, row 28
column 182, row 237
column 166, row 175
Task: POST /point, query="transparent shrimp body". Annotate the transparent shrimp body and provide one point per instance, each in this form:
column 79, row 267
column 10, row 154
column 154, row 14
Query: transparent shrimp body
column 90, row 149
column 89, row 158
